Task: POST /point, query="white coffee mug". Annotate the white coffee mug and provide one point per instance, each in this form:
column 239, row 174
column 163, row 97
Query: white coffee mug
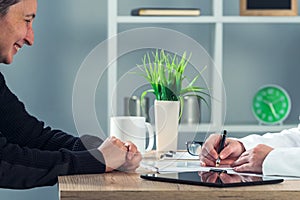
column 132, row 128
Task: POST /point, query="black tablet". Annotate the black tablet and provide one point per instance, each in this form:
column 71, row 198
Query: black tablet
column 212, row 179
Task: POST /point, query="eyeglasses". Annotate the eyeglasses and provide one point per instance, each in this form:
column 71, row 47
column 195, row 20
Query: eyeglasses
column 194, row 147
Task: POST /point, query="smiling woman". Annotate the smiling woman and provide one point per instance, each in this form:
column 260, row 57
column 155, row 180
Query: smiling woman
column 26, row 144
column 17, row 18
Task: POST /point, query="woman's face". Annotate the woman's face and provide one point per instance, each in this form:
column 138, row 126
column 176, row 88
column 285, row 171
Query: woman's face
column 16, row 29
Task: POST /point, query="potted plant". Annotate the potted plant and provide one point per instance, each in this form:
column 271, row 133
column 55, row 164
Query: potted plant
column 165, row 73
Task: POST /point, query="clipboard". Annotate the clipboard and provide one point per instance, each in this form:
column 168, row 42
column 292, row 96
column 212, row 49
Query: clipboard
column 213, row 178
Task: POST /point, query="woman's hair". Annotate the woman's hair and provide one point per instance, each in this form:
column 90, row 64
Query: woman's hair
column 5, row 4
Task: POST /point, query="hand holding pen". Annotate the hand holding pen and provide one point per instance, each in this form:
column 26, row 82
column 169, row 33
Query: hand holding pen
column 212, row 150
column 221, row 147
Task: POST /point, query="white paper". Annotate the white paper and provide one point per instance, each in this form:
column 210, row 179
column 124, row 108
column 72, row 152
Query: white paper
column 180, row 155
column 177, row 166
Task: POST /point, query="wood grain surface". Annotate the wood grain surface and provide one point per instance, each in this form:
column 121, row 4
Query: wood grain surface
column 120, row 185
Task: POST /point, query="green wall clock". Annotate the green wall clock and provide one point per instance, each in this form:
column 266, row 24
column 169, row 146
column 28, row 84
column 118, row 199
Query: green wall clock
column 271, row 105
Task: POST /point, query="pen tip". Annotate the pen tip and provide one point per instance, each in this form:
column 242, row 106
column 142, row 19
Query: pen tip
column 218, row 162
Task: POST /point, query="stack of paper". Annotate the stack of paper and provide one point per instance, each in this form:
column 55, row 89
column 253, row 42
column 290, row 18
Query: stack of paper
column 179, row 155
column 164, row 166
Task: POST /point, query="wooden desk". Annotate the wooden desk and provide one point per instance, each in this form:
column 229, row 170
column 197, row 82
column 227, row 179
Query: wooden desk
column 120, row 185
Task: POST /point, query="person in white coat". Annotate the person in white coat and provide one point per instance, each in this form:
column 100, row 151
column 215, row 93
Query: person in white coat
column 269, row 154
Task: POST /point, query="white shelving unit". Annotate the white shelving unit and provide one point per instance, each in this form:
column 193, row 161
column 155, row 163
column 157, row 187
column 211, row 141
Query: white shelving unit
column 218, row 20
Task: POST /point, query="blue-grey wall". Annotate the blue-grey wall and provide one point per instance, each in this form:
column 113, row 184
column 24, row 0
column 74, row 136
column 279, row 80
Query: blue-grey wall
column 67, row 30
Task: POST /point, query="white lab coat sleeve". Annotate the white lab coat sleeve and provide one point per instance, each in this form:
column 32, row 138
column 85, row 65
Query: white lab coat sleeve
column 286, row 138
column 282, row 162
column 283, row 159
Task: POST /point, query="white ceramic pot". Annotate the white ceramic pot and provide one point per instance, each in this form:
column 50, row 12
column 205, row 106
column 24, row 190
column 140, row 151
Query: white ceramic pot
column 166, row 124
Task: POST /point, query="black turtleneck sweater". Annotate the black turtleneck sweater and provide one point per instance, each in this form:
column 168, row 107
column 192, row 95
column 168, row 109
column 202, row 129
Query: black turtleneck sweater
column 33, row 155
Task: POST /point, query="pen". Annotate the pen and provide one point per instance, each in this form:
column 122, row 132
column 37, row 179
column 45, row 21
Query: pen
column 221, row 147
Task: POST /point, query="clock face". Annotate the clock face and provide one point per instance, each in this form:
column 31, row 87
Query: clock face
column 271, row 104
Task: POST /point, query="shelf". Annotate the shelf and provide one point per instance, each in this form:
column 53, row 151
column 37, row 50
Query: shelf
column 234, row 128
column 147, row 19
column 208, row 19
column 260, row 19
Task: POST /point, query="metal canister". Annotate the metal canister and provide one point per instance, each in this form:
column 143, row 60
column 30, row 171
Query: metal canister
column 134, row 107
column 191, row 113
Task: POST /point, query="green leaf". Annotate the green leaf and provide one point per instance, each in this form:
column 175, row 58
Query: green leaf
column 165, row 73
